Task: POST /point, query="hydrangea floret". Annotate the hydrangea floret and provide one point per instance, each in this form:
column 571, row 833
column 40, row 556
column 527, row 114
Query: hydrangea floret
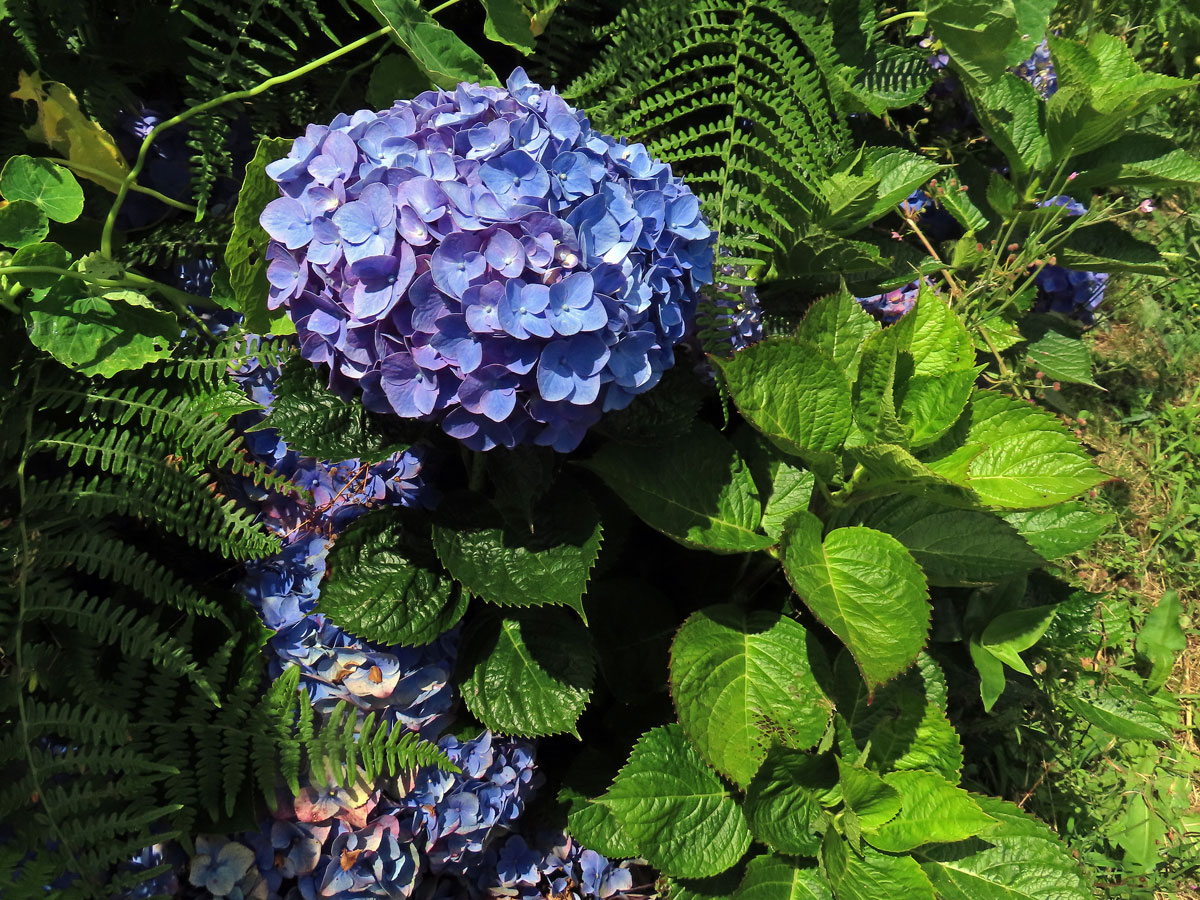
column 483, row 259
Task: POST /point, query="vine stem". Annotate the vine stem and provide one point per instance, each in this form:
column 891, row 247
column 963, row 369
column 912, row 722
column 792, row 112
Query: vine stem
column 100, row 173
column 900, row 17
column 439, row 8
column 263, row 86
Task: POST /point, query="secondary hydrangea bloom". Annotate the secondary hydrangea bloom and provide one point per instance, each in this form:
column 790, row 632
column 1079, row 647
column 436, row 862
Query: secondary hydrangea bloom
column 1069, row 291
column 485, row 260
column 889, row 306
column 555, row 866
column 1039, row 71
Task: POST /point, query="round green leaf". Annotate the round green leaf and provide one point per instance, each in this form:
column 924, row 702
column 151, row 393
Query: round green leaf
column 696, row 489
column 527, row 674
column 742, row 682
column 866, row 587
column 375, row 591
column 22, row 223
column 932, row 810
column 675, row 809
column 51, row 187
column 791, row 392
column 1018, row 858
column 101, row 335
column 46, row 253
column 785, row 800
column 769, row 877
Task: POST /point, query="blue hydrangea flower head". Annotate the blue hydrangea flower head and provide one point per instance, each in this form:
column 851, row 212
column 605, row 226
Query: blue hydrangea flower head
column 1039, row 71
column 483, row 259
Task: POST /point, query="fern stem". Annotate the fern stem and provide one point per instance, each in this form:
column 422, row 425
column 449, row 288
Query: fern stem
column 263, row 86
column 27, row 554
column 137, row 188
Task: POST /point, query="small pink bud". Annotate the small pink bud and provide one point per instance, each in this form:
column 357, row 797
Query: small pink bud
column 1072, row 176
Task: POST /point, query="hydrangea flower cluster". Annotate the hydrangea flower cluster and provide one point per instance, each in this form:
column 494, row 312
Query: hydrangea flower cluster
column 1039, row 71
column 1069, row 291
column 555, row 866
column 889, row 306
column 740, row 319
column 485, row 260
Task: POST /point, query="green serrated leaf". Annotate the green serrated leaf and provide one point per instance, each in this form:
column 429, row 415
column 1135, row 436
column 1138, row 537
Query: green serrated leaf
column 52, row 188
column 933, row 403
column 696, row 489
column 1107, row 247
column 715, row 887
column 595, row 827
column 1018, row 858
column 770, row 877
column 509, row 23
column 442, row 54
column 741, row 682
column 870, row 875
column 837, row 325
column 375, row 591
column 22, row 224
column 1028, row 460
column 675, row 809
column 904, row 724
column 932, row 810
column 791, row 392
column 954, row 547
column 315, row 422
column 1061, row 530
column 546, row 563
column 889, row 468
column 527, row 674
column 865, row 587
column 786, row 798
column 883, row 373
column 1012, row 113
column 245, row 254
column 103, row 335
column 873, row 801
column 940, row 343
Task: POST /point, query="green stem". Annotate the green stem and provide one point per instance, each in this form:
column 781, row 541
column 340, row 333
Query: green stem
column 438, row 9
column 180, row 299
column 261, row 87
column 8, row 301
column 900, row 17
column 100, row 173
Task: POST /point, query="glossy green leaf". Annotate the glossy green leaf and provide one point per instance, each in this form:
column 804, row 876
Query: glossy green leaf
column 791, row 392
column 991, row 673
column 509, row 23
column 527, row 673
column 101, row 335
column 1013, row 115
column 1028, row 459
column 837, row 325
column 245, row 254
column 932, row 810
column 976, row 34
column 770, row 877
column 865, row 587
column 376, row 591
column 52, row 188
column 954, row 547
column 696, row 489
column 1059, row 531
column 890, row 468
column 873, row 801
column 1121, row 712
column 1059, row 354
column 675, row 809
column 46, row 253
column 546, row 562
column 883, row 371
column 786, row 800
column 940, row 342
column 22, row 223
column 871, row 875
column 442, row 54
column 715, row 887
column 1012, row 632
column 933, row 403
column 741, row 682
column 904, row 724
column 595, row 827
column 1018, row 858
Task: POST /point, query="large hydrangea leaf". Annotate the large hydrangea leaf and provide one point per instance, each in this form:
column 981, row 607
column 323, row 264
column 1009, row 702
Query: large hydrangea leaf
column 675, row 809
column 741, row 682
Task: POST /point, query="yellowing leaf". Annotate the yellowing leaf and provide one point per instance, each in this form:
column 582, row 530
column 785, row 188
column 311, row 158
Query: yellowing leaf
column 62, row 125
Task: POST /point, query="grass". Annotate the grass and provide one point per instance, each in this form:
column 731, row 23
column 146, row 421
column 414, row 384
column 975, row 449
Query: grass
column 1144, row 427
